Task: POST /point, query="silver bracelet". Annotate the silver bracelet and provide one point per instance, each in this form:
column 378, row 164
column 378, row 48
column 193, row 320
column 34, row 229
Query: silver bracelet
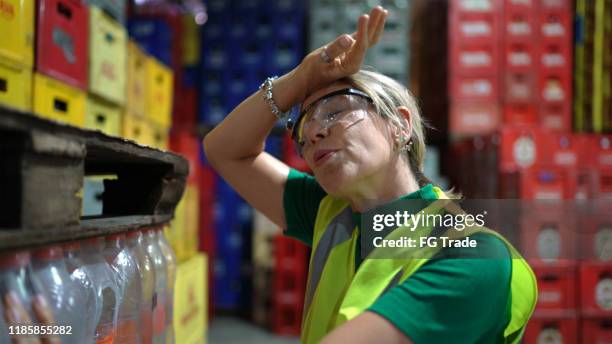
column 267, row 95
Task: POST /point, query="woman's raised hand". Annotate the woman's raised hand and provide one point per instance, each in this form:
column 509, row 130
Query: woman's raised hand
column 344, row 55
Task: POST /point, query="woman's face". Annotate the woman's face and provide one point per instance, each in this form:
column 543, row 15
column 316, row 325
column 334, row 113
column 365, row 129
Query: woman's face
column 342, row 157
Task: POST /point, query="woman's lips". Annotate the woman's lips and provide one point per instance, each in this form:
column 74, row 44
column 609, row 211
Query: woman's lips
column 322, row 155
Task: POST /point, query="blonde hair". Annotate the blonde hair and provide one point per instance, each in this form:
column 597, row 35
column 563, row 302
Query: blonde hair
column 387, row 95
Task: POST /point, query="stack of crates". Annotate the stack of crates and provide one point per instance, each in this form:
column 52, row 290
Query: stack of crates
column 593, row 67
column 510, row 63
column 265, row 39
column 391, row 56
column 62, row 52
column 17, row 54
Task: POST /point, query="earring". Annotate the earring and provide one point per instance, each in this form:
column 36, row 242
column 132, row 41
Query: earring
column 403, row 146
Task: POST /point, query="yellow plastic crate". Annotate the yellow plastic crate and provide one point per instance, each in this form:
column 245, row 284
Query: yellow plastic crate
column 190, row 300
column 160, row 137
column 191, row 41
column 104, row 116
column 107, row 56
column 137, row 129
column 16, row 87
column 56, row 100
column 184, row 233
column 17, row 32
column 136, row 81
column 158, row 100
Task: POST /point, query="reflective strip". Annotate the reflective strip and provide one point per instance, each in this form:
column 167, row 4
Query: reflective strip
column 335, row 234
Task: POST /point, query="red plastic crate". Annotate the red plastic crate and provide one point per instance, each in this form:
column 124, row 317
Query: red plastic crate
column 547, row 233
column 520, row 57
column 555, row 87
column 596, row 288
column 473, row 118
column 543, row 182
column 521, row 5
column 519, row 24
column 563, row 149
column 562, row 5
column 62, row 41
column 520, row 113
column 601, row 151
column 519, row 87
column 187, row 145
column 595, row 231
column 596, row 330
column 184, row 113
column 520, row 147
column 462, row 7
column 480, row 59
column 480, row 28
column 555, row 57
column 555, row 26
column 478, row 88
column 287, row 314
column 557, row 283
column 551, row 330
column 556, row 116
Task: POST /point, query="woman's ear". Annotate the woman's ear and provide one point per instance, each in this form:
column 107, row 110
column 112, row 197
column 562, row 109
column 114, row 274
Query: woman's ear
column 405, row 112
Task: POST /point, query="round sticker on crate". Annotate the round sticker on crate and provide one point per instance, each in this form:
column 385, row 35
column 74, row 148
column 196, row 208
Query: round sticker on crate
column 550, row 336
column 549, row 243
column 603, row 294
column 524, row 151
column 603, row 244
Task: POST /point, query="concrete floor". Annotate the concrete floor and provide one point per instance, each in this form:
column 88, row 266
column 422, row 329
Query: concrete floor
column 230, row 330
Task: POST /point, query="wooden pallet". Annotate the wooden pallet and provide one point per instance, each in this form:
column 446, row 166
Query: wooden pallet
column 42, row 169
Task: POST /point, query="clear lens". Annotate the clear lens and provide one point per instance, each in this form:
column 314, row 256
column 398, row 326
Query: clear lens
column 342, row 109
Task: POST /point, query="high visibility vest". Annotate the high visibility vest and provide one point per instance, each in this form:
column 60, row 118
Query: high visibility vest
column 336, row 293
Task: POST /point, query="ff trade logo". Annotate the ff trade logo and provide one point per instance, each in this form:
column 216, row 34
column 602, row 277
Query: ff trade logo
column 7, row 10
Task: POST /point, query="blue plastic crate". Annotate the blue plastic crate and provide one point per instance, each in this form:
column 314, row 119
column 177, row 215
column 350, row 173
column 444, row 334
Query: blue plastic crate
column 274, row 146
column 289, row 26
column 212, row 85
column 284, row 56
column 212, row 110
column 215, row 55
column 218, row 7
column 246, row 53
column 154, row 36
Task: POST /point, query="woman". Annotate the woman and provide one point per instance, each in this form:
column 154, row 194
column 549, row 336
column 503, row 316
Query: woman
column 362, row 135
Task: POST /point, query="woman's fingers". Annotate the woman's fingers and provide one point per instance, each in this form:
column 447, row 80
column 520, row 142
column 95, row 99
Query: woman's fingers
column 361, row 37
column 379, row 28
column 376, row 16
column 339, row 46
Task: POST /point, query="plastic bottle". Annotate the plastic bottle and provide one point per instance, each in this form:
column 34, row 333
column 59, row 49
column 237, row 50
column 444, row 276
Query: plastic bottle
column 78, row 274
column 159, row 304
column 66, row 298
column 135, row 243
column 126, row 273
column 107, row 289
column 15, row 278
column 170, row 260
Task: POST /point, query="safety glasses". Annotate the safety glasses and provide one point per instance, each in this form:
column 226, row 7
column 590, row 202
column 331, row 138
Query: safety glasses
column 343, row 107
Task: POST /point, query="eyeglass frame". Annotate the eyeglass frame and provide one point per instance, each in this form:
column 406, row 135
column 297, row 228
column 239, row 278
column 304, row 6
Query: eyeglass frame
column 303, row 112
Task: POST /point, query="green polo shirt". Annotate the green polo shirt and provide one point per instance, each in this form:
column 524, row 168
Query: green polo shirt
column 455, row 300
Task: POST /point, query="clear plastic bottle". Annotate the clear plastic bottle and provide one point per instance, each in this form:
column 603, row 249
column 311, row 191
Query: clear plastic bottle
column 66, row 298
column 135, row 243
column 78, row 274
column 124, row 266
column 15, row 279
column 107, row 289
column 170, row 260
column 161, row 284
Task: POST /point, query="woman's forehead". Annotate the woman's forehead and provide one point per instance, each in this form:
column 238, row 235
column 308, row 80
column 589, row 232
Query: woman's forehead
column 323, row 91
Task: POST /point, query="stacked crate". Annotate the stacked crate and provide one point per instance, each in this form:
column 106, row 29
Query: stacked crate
column 510, row 64
column 474, row 73
column 17, row 54
column 391, row 56
column 61, row 77
column 265, row 39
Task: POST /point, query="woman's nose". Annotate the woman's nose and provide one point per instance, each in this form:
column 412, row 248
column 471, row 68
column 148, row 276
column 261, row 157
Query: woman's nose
column 317, row 132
